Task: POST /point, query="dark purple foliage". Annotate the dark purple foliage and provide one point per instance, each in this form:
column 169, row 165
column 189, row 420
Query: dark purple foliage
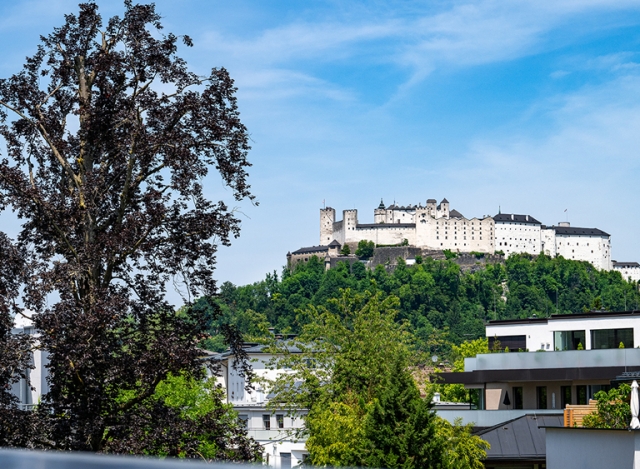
column 109, row 137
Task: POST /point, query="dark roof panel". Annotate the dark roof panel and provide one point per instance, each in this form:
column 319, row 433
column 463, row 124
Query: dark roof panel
column 455, row 214
column 512, row 217
column 625, row 264
column 573, row 231
column 368, row 226
column 311, row 249
column 520, row 439
column 431, row 201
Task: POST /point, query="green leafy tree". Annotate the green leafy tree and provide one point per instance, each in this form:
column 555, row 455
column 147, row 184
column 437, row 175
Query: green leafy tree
column 612, row 409
column 365, row 249
column 355, row 378
column 468, row 349
column 346, row 250
column 107, row 138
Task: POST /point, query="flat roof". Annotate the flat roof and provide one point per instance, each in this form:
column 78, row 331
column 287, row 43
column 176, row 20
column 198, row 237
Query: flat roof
column 587, row 315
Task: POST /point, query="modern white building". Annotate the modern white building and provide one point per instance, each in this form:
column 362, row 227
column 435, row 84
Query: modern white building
column 593, row 330
column 274, row 430
column 518, row 381
column 628, row 270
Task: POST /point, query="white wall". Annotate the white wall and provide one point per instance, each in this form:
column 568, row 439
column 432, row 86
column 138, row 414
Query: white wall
column 540, row 334
column 517, row 237
column 628, row 272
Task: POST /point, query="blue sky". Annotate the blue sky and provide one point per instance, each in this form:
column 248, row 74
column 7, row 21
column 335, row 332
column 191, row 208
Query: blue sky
column 531, row 106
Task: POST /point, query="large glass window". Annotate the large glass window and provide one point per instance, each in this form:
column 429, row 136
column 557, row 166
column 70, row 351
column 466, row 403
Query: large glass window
column 612, row 338
column 541, row 395
column 514, row 342
column 518, row 398
column 569, row 340
column 477, row 398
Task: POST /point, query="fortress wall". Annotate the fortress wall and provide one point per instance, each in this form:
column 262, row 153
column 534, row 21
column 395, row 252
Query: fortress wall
column 338, row 232
column 590, row 248
column 383, row 235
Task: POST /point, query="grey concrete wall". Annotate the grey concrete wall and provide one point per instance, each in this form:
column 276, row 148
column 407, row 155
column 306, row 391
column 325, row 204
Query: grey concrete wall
column 582, row 448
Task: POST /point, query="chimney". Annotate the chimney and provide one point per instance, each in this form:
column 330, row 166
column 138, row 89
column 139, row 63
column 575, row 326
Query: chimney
column 564, row 223
column 527, row 217
column 512, row 216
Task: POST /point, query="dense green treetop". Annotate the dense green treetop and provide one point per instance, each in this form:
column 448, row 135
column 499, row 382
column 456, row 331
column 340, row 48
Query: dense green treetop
column 442, row 303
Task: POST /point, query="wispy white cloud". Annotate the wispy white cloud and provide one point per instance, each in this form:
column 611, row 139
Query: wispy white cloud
column 588, row 159
column 466, row 34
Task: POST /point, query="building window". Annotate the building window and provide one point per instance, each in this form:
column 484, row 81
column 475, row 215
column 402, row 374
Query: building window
column 581, row 395
column 518, row 398
column 280, row 420
column 266, row 421
column 514, row 342
column 611, row 338
column 568, row 340
column 541, row 397
column 285, row 460
column 565, row 396
column 244, row 420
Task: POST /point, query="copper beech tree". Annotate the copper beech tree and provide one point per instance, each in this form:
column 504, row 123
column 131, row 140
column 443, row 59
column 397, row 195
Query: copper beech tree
column 109, row 138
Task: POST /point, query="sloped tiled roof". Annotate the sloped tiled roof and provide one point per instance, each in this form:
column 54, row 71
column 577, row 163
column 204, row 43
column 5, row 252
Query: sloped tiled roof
column 455, row 214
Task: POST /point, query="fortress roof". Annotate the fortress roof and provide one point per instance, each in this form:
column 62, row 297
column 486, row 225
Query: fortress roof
column 381, row 204
column 311, row 249
column 575, row 231
column 401, row 207
column 368, row 226
column 334, row 243
column 455, row 214
column 507, row 217
column 444, row 201
column 625, row 264
column 431, row 201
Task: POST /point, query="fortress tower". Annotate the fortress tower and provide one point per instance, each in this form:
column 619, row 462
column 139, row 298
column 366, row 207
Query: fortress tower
column 327, row 219
column 380, row 214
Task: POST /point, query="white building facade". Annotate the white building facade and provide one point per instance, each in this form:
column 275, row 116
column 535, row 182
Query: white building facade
column 628, row 270
column 517, row 234
column 587, row 331
column 438, row 227
column 432, row 226
column 579, row 244
column 274, row 430
column 30, row 391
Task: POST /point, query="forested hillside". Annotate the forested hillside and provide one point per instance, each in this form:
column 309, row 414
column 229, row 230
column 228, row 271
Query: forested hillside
column 442, row 304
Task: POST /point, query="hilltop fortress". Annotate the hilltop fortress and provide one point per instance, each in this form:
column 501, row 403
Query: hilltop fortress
column 436, row 227
column 433, row 227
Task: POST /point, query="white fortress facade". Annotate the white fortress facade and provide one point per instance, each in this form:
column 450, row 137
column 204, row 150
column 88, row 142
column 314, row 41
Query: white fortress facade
column 438, row 227
column 433, row 226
